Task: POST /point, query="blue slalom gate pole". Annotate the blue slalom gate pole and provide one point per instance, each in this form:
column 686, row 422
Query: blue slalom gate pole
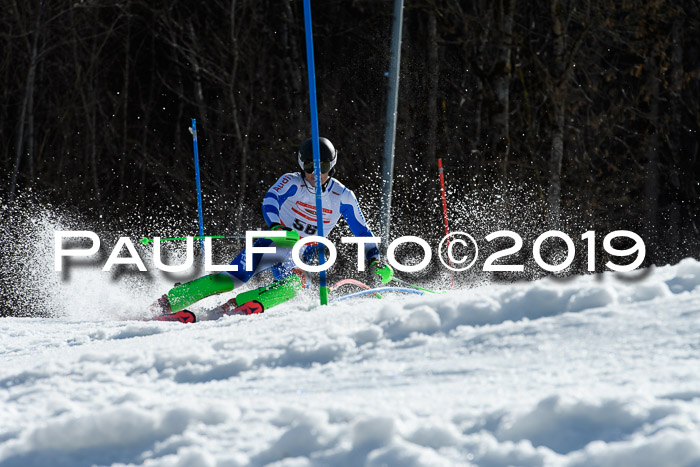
column 193, row 130
column 315, row 144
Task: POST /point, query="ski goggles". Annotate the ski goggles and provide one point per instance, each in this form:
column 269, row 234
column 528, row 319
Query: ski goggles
column 326, row 167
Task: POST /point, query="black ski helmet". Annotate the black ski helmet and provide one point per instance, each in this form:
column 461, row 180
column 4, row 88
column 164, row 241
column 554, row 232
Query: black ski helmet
column 329, row 156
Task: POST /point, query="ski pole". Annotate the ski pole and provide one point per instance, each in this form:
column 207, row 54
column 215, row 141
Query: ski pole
column 193, row 130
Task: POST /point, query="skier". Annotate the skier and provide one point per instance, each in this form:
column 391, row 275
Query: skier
column 288, row 206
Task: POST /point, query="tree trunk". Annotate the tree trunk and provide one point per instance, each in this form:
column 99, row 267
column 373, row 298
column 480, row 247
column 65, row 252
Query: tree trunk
column 678, row 152
column 558, row 113
column 651, row 187
column 180, row 118
column 291, row 60
column 433, row 70
column 501, row 81
column 239, row 170
column 555, row 162
column 92, row 131
column 26, row 103
column 125, row 107
column 88, row 96
column 198, row 89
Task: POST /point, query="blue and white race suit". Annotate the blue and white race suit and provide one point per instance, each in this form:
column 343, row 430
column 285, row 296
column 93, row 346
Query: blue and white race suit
column 291, row 202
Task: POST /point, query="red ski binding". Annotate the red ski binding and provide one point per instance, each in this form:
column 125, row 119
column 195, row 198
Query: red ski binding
column 184, row 316
column 252, row 307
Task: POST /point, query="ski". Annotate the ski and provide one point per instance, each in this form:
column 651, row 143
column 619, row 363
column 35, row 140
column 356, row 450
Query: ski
column 376, row 291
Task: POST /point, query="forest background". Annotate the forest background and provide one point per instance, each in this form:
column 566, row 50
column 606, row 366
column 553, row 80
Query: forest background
column 577, row 115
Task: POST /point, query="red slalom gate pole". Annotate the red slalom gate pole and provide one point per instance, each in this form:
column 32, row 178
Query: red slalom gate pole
column 444, row 212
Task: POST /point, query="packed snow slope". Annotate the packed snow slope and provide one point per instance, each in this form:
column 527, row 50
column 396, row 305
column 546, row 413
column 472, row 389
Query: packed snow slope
column 597, row 370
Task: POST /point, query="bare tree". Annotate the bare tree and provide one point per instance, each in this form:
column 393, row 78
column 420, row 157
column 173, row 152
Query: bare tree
column 558, row 82
column 433, row 81
column 504, row 12
column 27, row 112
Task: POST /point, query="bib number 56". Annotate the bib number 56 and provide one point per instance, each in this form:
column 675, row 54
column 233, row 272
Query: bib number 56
column 309, row 229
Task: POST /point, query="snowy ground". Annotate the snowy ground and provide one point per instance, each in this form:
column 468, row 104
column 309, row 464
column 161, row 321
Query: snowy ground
column 590, row 371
